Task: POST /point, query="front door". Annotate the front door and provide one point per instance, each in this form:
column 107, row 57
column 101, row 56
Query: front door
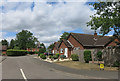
column 66, row 52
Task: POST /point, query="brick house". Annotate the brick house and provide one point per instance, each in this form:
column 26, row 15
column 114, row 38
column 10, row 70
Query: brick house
column 77, row 41
column 3, row 49
column 55, row 48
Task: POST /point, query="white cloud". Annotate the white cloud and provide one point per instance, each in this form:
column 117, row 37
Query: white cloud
column 45, row 21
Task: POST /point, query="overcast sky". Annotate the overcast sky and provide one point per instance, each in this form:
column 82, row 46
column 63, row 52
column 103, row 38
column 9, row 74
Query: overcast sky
column 46, row 20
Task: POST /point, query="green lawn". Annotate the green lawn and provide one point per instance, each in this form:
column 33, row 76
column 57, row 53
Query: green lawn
column 79, row 65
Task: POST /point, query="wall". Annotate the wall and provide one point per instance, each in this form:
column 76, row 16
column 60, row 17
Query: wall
column 63, row 46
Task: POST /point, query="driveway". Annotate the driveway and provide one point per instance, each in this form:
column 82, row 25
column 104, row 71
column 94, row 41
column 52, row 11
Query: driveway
column 27, row 67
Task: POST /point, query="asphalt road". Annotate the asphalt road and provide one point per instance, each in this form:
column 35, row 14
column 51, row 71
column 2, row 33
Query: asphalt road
column 27, row 67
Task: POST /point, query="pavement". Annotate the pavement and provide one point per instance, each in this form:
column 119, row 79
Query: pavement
column 27, row 67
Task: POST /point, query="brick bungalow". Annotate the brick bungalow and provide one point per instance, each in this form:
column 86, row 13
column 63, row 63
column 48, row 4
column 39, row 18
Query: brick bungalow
column 55, row 48
column 4, row 49
column 77, row 41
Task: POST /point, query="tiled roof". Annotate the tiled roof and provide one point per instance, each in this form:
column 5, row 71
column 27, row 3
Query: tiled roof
column 56, row 45
column 66, row 43
column 91, row 40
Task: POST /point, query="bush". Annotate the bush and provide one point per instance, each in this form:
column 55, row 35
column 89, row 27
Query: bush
column 62, row 56
column 87, row 56
column 42, row 50
column 42, row 56
column 57, row 55
column 50, row 56
column 99, row 55
column 75, row 57
column 116, row 64
column 14, row 52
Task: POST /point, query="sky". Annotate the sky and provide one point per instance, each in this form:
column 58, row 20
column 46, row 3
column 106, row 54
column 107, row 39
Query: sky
column 46, row 20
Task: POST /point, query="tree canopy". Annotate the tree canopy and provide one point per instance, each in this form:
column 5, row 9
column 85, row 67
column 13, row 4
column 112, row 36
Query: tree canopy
column 106, row 18
column 4, row 42
column 64, row 36
column 25, row 39
column 12, row 44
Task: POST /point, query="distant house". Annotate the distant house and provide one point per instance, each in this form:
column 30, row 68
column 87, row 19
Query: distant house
column 77, row 41
column 3, row 49
column 55, row 48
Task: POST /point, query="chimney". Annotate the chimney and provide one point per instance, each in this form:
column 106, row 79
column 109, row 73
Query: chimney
column 95, row 34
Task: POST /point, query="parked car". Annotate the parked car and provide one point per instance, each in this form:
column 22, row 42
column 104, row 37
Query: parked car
column 48, row 53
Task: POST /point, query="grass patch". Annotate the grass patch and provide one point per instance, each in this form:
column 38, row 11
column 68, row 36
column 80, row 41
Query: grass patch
column 87, row 66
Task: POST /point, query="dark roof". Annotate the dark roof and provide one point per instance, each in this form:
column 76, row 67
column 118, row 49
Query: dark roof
column 91, row 40
column 66, row 43
column 56, row 45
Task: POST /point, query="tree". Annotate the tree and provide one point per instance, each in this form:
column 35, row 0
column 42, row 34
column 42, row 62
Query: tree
column 106, row 18
column 43, row 48
column 12, row 44
column 4, row 42
column 51, row 46
column 25, row 39
column 64, row 36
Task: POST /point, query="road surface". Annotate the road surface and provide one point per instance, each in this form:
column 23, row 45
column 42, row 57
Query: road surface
column 27, row 67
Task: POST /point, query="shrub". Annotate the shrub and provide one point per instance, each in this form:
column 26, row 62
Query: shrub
column 57, row 55
column 116, row 64
column 99, row 55
column 62, row 56
column 42, row 56
column 87, row 56
column 42, row 50
column 14, row 52
column 75, row 57
column 50, row 56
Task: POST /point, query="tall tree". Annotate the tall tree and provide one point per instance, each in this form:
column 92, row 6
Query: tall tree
column 12, row 44
column 106, row 18
column 64, row 36
column 50, row 46
column 25, row 39
column 4, row 42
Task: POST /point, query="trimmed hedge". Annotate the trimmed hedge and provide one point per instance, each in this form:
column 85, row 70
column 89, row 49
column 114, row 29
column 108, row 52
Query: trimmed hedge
column 75, row 57
column 14, row 52
column 87, row 56
column 31, row 53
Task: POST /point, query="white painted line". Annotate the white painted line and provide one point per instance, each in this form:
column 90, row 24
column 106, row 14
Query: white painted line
column 23, row 74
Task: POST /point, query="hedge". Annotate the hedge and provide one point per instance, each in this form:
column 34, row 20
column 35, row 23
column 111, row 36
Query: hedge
column 87, row 56
column 14, row 52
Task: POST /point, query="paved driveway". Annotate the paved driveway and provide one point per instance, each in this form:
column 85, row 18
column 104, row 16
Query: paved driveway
column 27, row 67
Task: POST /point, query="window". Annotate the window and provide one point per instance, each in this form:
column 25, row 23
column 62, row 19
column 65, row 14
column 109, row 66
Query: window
column 76, row 48
column 61, row 51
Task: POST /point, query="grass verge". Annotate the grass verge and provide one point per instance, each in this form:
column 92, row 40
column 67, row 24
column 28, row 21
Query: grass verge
column 87, row 66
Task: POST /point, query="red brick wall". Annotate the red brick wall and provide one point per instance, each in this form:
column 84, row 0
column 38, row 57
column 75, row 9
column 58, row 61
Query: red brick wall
column 75, row 43
column 63, row 46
